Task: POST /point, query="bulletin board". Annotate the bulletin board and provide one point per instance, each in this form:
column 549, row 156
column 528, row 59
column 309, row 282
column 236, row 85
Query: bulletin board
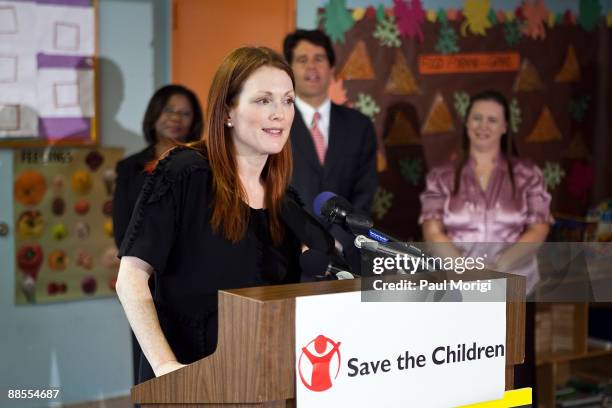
column 48, row 72
column 64, row 246
column 412, row 70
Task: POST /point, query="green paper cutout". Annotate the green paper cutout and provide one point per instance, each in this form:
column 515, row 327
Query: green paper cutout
column 367, row 105
column 411, row 170
column 578, row 107
column 380, row 13
column 442, row 17
column 589, row 14
column 553, row 174
column 447, row 41
column 512, row 32
column 383, row 200
column 492, row 17
column 387, row 33
column 515, row 115
column 337, row 20
column 462, row 101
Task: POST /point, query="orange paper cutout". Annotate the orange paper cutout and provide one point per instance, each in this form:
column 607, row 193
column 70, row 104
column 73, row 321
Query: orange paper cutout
column 381, row 162
column 439, row 118
column 358, row 64
column 337, row 91
column 570, row 72
column 402, row 132
column 545, row 129
column 577, row 149
column 528, row 78
column 401, row 81
column 469, row 62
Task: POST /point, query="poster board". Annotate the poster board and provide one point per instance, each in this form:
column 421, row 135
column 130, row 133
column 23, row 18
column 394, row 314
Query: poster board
column 48, row 72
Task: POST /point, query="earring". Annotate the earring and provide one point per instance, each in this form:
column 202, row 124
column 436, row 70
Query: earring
column 229, row 124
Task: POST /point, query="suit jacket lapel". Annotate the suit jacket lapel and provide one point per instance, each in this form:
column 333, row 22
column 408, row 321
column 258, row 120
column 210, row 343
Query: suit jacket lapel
column 302, row 140
column 335, row 140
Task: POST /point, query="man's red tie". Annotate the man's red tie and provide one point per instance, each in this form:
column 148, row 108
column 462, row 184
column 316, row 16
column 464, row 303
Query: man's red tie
column 317, row 138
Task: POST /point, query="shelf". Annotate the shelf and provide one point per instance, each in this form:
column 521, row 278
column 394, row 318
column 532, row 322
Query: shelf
column 563, row 357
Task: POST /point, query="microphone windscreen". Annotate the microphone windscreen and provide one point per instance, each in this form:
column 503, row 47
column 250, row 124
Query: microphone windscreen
column 336, row 209
column 314, row 262
column 321, row 199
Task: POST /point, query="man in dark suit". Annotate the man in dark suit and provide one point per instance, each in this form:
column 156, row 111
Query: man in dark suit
column 334, row 147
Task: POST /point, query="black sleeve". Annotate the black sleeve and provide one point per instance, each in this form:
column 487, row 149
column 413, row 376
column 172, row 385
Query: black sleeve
column 121, row 210
column 366, row 179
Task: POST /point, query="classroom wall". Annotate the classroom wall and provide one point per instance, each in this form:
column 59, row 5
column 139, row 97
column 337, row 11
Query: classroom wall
column 83, row 347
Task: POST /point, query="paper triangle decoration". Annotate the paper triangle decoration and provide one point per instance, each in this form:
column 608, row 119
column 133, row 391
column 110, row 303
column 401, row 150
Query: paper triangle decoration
column 577, row 150
column 439, row 118
column 545, row 129
column 381, row 162
column 337, row 91
column 402, row 132
column 401, row 81
column 358, row 65
column 570, row 71
column 527, row 78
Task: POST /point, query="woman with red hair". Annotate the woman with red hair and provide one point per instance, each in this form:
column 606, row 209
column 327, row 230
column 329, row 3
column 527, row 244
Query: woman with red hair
column 216, row 214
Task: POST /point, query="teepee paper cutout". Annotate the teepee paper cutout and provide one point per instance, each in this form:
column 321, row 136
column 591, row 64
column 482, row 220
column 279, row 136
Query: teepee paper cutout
column 545, row 129
column 358, row 65
column 401, row 81
column 439, row 118
column 402, row 132
column 527, row 78
column 570, row 72
column 577, row 150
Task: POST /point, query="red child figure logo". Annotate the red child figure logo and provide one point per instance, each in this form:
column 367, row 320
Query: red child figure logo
column 321, row 378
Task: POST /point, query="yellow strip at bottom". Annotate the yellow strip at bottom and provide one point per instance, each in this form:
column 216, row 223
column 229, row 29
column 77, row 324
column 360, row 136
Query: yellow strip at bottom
column 514, row 398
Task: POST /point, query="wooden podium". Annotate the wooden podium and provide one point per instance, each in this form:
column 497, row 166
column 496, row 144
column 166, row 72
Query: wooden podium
column 254, row 363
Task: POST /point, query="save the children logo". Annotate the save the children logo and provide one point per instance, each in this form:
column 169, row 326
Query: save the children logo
column 316, row 362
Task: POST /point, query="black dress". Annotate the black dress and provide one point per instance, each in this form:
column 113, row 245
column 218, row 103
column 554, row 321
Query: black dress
column 170, row 230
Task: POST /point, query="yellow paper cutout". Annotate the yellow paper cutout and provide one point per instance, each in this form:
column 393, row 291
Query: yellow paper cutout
column 381, row 162
column 528, row 78
column 609, row 19
column 545, row 129
column 358, row 13
column 476, row 13
column 552, row 19
column 439, row 118
column 432, row 15
column 577, row 149
column 570, row 72
column 337, row 91
column 401, row 81
column 402, row 132
column 509, row 15
column 358, row 64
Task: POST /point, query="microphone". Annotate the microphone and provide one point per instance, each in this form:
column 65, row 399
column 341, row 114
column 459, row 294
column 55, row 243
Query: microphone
column 315, row 264
column 363, row 242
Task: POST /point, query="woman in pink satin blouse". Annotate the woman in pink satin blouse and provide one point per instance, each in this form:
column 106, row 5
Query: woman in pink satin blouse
column 489, row 199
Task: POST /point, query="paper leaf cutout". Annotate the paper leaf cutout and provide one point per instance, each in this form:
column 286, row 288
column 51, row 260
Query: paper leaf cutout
column 386, row 33
column 589, row 14
column 380, row 13
column 535, row 14
column 476, row 13
column 553, row 174
column 337, row 91
column 367, row 105
column 509, row 15
column 337, row 20
column 527, row 79
column 515, row 116
column 402, row 132
column 383, row 200
column 381, row 162
column 512, row 32
column 410, row 18
column 545, row 129
column 462, row 101
column 401, row 81
column 358, row 65
column 551, row 20
column 358, row 14
column 569, row 18
column 577, row 150
column 501, row 16
column 580, row 179
column 492, row 16
column 570, row 72
column 442, row 17
column 578, row 107
column 432, row 15
column 411, row 170
column 452, row 14
column 439, row 118
column 447, row 41
column 609, row 19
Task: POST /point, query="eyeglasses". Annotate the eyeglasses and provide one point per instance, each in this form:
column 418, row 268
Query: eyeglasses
column 183, row 114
